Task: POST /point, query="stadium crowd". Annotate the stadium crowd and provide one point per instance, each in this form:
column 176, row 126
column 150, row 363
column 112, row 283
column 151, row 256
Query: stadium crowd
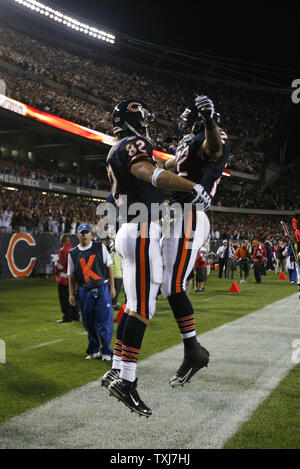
column 116, row 81
column 98, row 118
column 283, row 194
column 245, row 157
column 33, row 211
column 240, row 227
column 38, row 61
column 30, row 170
column 273, row 197
column 30, row 211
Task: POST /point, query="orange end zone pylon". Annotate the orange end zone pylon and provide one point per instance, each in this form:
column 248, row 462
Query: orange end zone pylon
column 282, row 276
column 235, row 288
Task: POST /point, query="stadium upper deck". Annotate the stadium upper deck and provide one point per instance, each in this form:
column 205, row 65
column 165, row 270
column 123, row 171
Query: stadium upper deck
column 83, row 83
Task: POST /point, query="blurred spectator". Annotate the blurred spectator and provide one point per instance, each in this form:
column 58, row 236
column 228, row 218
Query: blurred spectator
column 230, row 262
column 242, row 256
column 69, row 312
column 280, row 259
column 270, row 258
column 222, row 254
column 6, row 220
column 290, row 264
column 259, row 259
column 201, row 272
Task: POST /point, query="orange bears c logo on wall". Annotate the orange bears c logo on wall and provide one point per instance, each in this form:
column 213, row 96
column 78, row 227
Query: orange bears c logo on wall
column 15, row 270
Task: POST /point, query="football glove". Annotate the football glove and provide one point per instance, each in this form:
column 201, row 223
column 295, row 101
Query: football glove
column 205, row 107
column 201, row 196
column 187, row 119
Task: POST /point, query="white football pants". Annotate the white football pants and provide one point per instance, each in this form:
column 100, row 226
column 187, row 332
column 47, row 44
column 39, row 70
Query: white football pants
column 138, row 246
column 180, row 246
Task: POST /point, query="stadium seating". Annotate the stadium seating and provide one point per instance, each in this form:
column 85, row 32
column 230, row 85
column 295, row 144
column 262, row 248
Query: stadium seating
column 84, row 89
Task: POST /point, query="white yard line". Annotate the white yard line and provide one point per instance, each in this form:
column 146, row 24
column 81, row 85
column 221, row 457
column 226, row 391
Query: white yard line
column 249, row 357
column 42, row 345
column 47, row 343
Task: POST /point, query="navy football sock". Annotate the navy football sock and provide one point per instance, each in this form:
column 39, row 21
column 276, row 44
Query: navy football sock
column 132, row 338
column 184, row 315
column 118, row 342
column 133, row 333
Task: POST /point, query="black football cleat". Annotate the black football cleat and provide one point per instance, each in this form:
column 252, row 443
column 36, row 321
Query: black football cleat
column 193, row 361
column 126, row 392
column 109, row 376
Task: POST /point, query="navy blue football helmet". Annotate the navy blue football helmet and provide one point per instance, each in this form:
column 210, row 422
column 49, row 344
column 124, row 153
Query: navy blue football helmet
column 190, row 122
column 134, row 115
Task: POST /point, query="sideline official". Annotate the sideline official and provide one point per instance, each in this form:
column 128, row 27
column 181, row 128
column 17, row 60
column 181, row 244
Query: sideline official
column 90, row 265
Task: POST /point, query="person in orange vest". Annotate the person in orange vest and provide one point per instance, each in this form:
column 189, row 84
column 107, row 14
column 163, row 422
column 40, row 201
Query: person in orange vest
column 242, row 256
column 69, row 312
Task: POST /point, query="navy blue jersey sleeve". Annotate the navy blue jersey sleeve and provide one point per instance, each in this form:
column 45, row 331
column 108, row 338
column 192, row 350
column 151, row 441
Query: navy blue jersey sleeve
column 136, row 149
column 197, row 143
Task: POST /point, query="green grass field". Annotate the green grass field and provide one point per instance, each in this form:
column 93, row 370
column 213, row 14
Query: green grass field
column 45, row 359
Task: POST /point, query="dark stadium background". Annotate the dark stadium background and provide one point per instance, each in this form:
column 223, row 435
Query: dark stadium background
column 260, row 33
column 260, row 39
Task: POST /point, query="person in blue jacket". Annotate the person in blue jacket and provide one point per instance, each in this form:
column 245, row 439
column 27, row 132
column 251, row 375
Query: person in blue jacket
column 290, row 264
column 90, row 266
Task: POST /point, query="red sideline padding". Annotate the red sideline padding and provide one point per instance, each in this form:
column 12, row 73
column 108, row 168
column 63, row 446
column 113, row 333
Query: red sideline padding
column 282, row 276
column 235, row 288
column 120, row 313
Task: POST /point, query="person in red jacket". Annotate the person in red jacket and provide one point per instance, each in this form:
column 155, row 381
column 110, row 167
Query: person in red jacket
column 201, row 272
column 259, row 258
column 70, row 313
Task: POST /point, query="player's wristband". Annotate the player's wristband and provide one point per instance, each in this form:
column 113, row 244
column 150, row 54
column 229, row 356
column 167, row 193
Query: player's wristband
column 155, row 175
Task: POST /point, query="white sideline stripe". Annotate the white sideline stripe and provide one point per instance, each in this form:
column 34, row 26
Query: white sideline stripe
column 48, row 343
column 42, row 345
column 249, row 357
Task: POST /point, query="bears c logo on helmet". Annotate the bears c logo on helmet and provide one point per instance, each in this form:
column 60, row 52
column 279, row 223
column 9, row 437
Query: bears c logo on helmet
column 134, row 106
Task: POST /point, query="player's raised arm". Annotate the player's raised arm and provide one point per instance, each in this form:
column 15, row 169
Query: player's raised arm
column 212, row 146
